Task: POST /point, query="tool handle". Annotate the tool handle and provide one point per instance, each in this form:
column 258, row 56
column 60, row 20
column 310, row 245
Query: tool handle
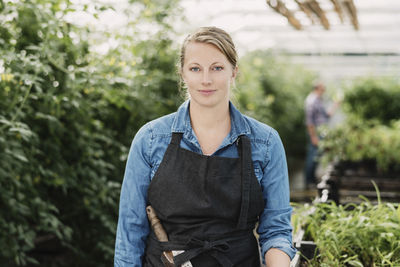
column 166, row 257
column 156, row 225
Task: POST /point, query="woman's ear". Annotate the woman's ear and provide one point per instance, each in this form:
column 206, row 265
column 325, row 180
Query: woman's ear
column 234, row 72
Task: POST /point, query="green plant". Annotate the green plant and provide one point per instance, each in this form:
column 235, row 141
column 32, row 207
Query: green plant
column 352, row 235
column 67, row 117
column 374, row 99
column 358, row 140
column 370, row 132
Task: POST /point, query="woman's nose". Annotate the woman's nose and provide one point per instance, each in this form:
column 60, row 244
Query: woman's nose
column 206, row 78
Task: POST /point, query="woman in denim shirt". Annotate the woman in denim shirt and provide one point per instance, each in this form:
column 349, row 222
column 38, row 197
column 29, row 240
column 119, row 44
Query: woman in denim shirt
column 209, row 172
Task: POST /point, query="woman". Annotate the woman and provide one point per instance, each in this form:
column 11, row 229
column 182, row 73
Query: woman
column 209, row 172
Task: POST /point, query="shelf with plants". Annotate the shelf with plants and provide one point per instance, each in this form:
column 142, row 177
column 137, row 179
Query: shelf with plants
column 366, row 146
column 363, row 148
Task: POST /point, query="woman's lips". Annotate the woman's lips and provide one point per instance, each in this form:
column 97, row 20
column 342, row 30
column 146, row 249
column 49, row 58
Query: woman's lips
column 206, row 92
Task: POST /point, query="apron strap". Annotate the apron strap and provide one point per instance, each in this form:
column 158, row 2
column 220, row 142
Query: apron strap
column 244, row 148
column 176, row 138
column 216, row 249
column 192, row 248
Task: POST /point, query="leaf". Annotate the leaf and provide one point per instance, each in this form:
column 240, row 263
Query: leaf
column 5, row 122
column 20, row 156
column 387, row 225
column 356, row 263
column 398, row 213
column 25, row 134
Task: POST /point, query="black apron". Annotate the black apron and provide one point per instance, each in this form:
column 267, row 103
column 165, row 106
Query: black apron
column 208, row 206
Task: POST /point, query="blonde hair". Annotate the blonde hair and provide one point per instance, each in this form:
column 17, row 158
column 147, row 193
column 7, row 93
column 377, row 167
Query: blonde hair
column 211, row 35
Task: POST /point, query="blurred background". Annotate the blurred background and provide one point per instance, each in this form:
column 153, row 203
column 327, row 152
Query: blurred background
column 79, row 78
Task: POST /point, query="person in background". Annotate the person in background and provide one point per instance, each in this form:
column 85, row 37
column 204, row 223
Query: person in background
column 209, row 172
column 316, row 115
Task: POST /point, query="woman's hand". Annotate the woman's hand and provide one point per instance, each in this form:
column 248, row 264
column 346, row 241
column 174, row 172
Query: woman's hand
column 277, row 258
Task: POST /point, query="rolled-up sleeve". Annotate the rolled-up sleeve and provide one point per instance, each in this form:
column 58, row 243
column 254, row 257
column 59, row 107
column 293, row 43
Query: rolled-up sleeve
column 275, row 230
column 133, row 226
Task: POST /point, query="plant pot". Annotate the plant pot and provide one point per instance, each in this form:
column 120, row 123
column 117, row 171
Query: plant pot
column 306, row 250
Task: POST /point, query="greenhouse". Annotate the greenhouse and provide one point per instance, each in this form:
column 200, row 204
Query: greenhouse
column 273, row 130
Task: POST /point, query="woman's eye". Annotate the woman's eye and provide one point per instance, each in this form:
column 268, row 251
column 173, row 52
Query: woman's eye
column 218, row 68
column 195, row 69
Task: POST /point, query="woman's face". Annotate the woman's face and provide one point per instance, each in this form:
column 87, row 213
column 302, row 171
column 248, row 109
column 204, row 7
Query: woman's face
column 207, row 74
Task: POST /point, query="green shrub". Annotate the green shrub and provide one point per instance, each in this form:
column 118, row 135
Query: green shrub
column 352, row 235
column 371, row 130
column 374, row 99
column 359, row 141
column 67, row 117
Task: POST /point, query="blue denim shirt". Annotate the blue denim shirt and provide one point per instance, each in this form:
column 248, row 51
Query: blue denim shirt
column 147, row 151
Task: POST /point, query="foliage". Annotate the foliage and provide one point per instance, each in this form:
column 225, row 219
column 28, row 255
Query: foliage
column 67, row 117
column 352, row 235
column 371, row 131
column 359, row 141
column 273, row 91
column 374, row 99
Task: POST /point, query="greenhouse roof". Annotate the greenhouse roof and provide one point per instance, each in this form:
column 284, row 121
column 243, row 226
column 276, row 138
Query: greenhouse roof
column 345, row 49
column 256, row 25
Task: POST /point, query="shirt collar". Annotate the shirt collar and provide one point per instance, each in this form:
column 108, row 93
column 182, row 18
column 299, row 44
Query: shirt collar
column 181, row 124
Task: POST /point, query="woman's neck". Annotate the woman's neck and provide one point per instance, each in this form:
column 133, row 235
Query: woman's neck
column 210, row 118
column 211, row 126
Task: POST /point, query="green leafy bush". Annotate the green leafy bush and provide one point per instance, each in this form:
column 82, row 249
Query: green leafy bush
column 371, row 130
column 352, row 235
column 374, row 99
column 359, row 141
column 67, row 117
